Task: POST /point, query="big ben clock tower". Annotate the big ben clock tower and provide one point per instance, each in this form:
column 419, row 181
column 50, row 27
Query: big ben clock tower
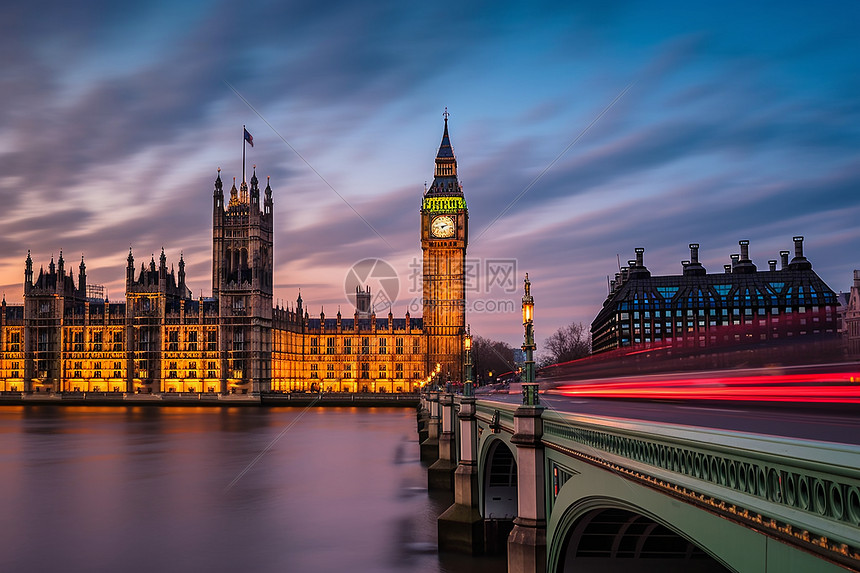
column 444, row 236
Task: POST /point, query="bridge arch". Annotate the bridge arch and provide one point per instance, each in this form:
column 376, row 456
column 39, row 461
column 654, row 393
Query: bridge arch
column 619, row 538
column 497, row 490
column 590, row 491
column 499, row 481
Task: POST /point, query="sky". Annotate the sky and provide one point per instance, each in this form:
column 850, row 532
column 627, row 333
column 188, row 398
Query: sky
column 582, row 131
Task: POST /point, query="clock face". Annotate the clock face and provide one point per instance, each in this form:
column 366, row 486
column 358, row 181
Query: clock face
column 442, row 227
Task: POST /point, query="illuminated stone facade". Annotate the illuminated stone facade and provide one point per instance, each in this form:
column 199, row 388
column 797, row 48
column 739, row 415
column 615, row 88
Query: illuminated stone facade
column 444, row 237
column 161, row 340
column 850, row 315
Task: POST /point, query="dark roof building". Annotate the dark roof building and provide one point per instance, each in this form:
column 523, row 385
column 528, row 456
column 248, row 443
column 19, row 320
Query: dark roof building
column 741, row 304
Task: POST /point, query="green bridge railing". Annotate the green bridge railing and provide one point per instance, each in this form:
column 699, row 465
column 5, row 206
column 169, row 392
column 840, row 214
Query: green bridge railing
column 805, row 492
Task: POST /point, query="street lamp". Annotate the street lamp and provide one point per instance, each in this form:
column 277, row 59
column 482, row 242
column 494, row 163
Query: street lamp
column 467, row 345
column 530, row 394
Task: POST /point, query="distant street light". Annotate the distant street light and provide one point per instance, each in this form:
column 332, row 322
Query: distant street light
column 467, row 345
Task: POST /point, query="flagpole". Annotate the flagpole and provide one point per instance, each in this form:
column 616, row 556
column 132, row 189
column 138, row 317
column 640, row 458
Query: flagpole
column 243, row 154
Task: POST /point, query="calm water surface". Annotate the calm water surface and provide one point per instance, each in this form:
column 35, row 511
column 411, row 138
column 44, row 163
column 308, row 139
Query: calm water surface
column 208, row 489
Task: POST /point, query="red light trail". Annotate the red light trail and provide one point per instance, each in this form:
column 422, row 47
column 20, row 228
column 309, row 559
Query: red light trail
column 820, row 388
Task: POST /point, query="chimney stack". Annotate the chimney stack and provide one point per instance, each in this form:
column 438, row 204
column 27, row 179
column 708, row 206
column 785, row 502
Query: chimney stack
column 636, row 267
column 745, row 250
column 728, row 269
column 783, row 255
column 743, row 264
column 735, row 257
column 798, row 247
column 799, row 262
column 693, row 266
column 772, row 265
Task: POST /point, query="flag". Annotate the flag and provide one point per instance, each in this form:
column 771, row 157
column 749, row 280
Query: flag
column 248, row 137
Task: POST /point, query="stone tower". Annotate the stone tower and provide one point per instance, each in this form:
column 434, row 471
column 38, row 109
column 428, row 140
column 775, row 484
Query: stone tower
column 242, row 271
column 47, row 301
column 149, row 297
column 444, row 237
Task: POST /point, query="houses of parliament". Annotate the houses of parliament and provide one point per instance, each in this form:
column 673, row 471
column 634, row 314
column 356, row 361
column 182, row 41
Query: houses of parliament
column 161, row 340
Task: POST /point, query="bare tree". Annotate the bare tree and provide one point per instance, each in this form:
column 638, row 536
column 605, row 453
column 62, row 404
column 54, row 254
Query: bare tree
column 491, row 356
column 567, row 343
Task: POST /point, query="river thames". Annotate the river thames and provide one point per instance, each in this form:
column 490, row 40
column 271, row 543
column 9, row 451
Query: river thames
column 142, row 489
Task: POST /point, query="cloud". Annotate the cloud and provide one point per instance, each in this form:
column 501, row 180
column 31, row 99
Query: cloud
column 116, row 116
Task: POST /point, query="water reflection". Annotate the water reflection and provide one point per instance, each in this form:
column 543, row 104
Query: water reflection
column 142, row 489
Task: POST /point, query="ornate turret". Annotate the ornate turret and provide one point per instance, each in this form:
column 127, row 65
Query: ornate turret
column 162, row 265
column 255, row 191
column 445, row 182
column 218, row 195
column 362, row 302
column 446, row 163
column 267, row 207
column 129, row 269
column 243, row 193
column 234, row 195
column 28, row 271
column 82, row 278
column 181, row 272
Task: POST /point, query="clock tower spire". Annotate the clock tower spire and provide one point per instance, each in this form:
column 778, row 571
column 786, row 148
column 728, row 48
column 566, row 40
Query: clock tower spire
column 444, row 236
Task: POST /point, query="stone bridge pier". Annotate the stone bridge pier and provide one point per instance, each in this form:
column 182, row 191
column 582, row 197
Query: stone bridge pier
column 423, row 417
column 527, row 541
column 430, row 446
column 461, row 527
column 440, row 475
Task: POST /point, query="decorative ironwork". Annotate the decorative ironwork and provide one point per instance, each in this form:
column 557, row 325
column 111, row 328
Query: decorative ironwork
column 833, row 496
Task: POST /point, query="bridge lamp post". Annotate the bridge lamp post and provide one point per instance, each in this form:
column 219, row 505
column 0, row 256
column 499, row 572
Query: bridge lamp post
column 467, row 346
column 530, row 389
column 527, row 541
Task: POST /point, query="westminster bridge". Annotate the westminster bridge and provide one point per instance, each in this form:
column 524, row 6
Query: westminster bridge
column 561, row 490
